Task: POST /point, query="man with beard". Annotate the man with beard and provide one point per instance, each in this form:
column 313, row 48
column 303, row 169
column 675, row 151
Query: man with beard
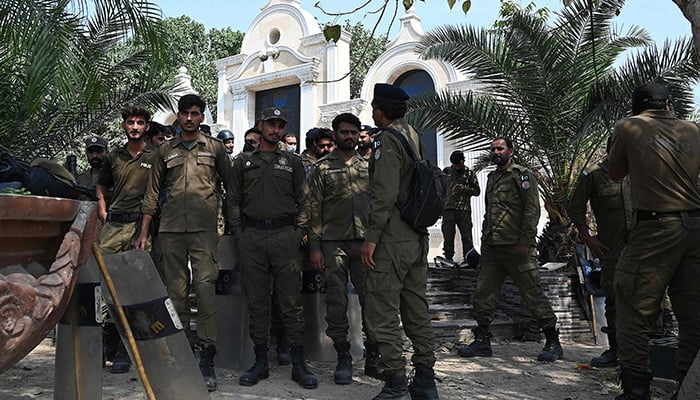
column 96, row 149
column 324, row 143
column 270, row 214
column 396, row 256
column 462, row 185
column 364, row 143
column 508, row 249
column 339, row 190
column 126, row 171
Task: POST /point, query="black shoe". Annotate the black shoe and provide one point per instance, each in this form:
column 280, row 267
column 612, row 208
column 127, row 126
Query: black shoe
column 343, row 371
column 372, row 361
column 394, row 388
column 300, row 373
column 206, row 366
column 121, row 363
column 606, row 360
column 422, row 386
column 635, row 385
column 480, row 347
column 259, row 370
column 284, row 357
column 552, row 350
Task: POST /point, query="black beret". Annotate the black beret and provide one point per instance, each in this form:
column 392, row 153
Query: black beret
column 389, row 92
column 456, row 157
column 652, row 91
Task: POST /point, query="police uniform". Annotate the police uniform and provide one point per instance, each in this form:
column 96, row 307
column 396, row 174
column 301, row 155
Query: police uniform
column 339, row 211
column 127, row 176
column 663, row 249
column 270, row 208
column 457, row 211
column 612, row 206
column 510, row 223
column 188, row 223
column 397, row 284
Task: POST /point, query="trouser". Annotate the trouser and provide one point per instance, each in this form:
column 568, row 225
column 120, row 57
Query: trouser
column 607, row 276
column 117, row 237
column 659, row 253
column 498, row 262
column 343, row 261
column 271, row 259
column 463, row 221
column 201, row 249
column 396, row 286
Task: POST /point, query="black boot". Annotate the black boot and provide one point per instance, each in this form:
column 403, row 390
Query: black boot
column 480, row 347
column 394, row 388
column 300, row 373
column 259, row 370
column 343, row 371
column 552, row 350
column 422, row 385
column 283, row 355
column 372, row 361
column 121, row 363
column 206, row 365
column 635, row 385
column 609, row 357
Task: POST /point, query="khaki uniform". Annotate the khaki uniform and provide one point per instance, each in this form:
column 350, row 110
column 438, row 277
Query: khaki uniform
column 663, row 248
column 188, row 224
column 512, row 213
column 127, row 176
column 88, row 177
column 462, row 185
column 339, row 212
column 398, row 282
column 611, row 203
column 269, row 204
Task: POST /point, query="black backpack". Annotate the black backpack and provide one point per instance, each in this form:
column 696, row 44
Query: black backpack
column 426, row 200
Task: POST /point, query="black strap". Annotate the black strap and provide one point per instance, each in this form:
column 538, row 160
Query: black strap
column 408, row 146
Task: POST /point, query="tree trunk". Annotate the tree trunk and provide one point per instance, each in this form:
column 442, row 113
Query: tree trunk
column 691, row 12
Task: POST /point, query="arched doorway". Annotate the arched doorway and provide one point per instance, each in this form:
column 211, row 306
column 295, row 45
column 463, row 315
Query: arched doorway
column 417, row 82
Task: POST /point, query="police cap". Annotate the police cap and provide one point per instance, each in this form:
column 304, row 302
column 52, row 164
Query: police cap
column 273, row 113
column 96, row 141
column 389, row 92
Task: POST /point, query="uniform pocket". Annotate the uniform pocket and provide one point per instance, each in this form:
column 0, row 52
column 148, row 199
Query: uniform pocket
column 175, row 162
column 207, row 160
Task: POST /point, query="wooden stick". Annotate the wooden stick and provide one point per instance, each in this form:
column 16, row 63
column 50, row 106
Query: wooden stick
column 125, row 323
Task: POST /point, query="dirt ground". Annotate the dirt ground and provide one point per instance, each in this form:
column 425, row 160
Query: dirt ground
column 511, row 374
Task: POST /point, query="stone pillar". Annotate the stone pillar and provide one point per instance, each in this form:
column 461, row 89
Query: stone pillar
column 222, row 89
column 307, row 109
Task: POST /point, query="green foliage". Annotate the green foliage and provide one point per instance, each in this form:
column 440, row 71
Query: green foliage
column 20, row 191
column 553, row 88
column 364, row 50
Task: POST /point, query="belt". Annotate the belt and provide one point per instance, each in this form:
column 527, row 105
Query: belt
column 268, row 223
column 644, row 215
column 125, row 218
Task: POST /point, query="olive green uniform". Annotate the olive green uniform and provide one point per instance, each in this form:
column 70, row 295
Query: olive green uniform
column 663, row 249
column 127, row 176
column 188, row 223
column 397, row 284
column 510, row 222
column 612, row 205
column 461, row 186
column 88, row 177
column 269, row 203
column 339, row 212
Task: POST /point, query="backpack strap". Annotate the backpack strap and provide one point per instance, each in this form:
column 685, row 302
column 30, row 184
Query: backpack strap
column 410, row 148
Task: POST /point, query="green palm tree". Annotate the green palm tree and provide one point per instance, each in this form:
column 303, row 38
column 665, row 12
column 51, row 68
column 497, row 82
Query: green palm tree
column 554, row 89
column 65, row 72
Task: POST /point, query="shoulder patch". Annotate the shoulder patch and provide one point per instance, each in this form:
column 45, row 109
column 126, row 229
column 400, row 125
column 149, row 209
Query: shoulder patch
column 525, row 182
column 377, row 153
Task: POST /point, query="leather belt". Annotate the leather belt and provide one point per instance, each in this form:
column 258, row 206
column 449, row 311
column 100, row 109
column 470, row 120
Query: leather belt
column 268, row 223
column 644, row 215
column 126, row 218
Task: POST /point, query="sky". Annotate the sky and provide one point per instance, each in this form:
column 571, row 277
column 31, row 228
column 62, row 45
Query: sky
column 661, row 18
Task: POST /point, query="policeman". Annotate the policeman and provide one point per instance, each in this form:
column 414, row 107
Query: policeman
column 290, row 140
column 96, row 149
column 226, row 137
column 270, row 214
column 612, row 207
column 661, row 155
column 126, row 171
column 508, row 249
column 461, row 185
column 189, row 168
column 397, row 257
column 364, row 144
column 339, row 190
column 252, row 139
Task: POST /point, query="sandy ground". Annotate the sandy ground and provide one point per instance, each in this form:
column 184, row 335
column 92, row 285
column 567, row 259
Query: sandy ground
column 511, row 374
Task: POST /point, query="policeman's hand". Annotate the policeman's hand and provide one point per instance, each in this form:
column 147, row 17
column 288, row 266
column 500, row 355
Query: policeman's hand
column 316, row 259
column 596, row 247
column 367, row 253
column 524, row 249
column 141, row 242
